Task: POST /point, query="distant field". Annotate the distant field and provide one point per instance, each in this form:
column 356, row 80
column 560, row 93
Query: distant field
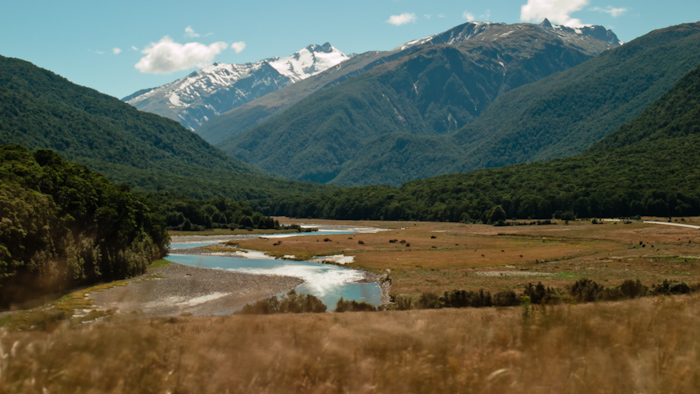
column 438, row 257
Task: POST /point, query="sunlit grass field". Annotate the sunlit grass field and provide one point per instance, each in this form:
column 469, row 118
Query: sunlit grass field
column 647, row 345
column 439, row 257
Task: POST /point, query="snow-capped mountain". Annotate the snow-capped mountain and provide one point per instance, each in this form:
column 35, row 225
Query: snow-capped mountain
column 585, row 36
column 218, row 88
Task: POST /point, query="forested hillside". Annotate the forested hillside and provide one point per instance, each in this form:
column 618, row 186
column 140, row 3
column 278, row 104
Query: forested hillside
column 63, row 225
column 429, row 89
column 41, row 110
column 558, row 116
column 272, row 104
column 647, row 167
column 564, row 114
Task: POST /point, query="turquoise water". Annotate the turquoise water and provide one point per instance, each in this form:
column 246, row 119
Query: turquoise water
column 283, row 235
column 325, row 281
column 192, row 245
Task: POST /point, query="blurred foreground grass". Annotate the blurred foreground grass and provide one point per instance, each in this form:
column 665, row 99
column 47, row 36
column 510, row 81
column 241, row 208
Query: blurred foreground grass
column 648, row 345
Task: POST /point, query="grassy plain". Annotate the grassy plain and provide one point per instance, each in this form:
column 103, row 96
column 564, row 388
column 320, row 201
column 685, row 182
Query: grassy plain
column 647, row 345
column 437, row 257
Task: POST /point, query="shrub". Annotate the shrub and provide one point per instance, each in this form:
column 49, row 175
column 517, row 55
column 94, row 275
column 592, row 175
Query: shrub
column 403, row 303
column 429, row 301
column 464, row 298
column 632, row 289
column 537, row 294
column 505, row 298
column 668, row 288
column 290, row 303
column 585, row 290
column 354, row 306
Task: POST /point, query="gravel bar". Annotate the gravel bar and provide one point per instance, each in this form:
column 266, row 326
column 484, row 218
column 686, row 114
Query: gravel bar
column 178, row 289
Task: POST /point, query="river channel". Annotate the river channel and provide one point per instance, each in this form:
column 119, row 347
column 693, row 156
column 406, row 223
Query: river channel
column 328, row 282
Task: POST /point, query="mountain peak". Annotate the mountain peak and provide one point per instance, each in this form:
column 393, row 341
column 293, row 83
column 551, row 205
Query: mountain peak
column 309, row 61
column 595, row 31
column 492, row 31
column 327, row 48
column 220, row 87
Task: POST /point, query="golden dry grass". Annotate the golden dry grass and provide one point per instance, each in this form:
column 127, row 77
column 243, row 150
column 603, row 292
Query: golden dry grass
column 640, row 346
column 447, row 256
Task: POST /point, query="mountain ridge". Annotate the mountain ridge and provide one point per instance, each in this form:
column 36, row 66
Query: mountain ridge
column 570, row 109
column 220, row 87
column 42, row 110
column 426, row 89
column 267, row 107
column 648, row 166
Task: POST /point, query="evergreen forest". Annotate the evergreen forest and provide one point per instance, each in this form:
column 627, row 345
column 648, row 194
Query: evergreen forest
column 65, row 226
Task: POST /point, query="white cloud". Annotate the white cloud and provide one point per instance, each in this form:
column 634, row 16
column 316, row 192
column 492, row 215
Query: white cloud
column 486, row 16
column 398, row 20
column 167, row 56
column 133, row 48
column 189, row 32
column 427, row 16
column 238, row 46
column 469, row 17
column 100, row 52
column 613, row 11
column 116, row 51
column 557, row 11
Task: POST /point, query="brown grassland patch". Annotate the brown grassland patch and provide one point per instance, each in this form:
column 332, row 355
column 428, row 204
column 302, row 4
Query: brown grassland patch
column 438, row 257
column 646, row 345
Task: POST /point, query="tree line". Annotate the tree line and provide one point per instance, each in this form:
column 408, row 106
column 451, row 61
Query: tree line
column 62, row 225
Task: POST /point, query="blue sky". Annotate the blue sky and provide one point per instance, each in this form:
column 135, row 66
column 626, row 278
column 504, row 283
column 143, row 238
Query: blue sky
column 118, row 47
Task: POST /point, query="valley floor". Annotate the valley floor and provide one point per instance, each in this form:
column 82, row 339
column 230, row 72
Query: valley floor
column 437, row 257
column 646, row 345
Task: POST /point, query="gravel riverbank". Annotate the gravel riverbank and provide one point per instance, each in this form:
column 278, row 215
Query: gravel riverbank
column 368, row 277
column 178, row 289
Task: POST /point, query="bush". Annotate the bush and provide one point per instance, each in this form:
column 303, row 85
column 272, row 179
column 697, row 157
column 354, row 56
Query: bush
column 429, row 301
column 632, row 289
column 354, row 306
column 403, row 303
column 464, row 298
column 290, row 303
column 586, row 290
column 668, row 288
column 537, row 294
column 505, row 298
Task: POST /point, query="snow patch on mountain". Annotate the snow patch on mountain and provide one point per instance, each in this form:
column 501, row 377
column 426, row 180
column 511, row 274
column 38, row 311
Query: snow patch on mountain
column 309, row 61
column 482, row 31
column 220, row 87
